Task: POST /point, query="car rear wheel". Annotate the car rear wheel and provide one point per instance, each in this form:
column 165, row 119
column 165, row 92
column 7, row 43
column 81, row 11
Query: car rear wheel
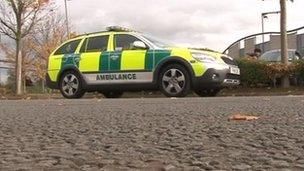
column 112, row 94
column 71, row 85
column 208, row 92
column 174, row 81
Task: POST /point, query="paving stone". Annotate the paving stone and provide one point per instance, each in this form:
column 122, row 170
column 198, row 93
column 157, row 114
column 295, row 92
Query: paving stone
column 241, row 167
column 280, row 164
column 128, row 134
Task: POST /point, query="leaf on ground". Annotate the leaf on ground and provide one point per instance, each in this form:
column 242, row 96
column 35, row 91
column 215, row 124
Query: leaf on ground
column 242, row 117
column 61, row 104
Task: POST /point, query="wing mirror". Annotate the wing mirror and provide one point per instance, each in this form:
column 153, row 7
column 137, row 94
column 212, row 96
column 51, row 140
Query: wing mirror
column 139, row 45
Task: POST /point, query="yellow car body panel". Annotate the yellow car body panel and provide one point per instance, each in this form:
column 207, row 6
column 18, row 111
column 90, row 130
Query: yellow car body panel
column 54, row 66
column 133, row 60
column 89, row 62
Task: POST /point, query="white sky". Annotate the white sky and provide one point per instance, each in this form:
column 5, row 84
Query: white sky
column 196, row 23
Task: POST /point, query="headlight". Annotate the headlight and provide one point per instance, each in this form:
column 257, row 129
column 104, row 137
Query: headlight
column 203, row 57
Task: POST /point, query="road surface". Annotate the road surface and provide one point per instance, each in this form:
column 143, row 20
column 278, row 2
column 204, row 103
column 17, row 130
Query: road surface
column 152, row 134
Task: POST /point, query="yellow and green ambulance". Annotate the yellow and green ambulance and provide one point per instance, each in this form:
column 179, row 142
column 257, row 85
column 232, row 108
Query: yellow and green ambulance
column 119, row 60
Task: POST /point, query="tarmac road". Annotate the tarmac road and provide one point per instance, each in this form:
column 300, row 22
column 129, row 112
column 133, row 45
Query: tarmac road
column 152, row 134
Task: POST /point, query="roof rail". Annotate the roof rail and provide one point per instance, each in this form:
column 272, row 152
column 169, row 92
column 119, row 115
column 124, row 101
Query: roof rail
column 86, row 34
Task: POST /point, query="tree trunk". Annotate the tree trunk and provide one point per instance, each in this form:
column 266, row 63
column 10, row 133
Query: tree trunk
column 284, row 46
column 18, row 67
column 24, row 85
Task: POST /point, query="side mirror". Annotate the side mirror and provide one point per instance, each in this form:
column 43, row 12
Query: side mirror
column 139, row 45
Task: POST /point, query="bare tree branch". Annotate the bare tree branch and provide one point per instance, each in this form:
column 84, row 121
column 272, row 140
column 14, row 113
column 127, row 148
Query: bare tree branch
column 18, row 19
column 8, row 26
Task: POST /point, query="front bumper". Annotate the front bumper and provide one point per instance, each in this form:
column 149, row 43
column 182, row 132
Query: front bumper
column 50, row 84
column 215, row 78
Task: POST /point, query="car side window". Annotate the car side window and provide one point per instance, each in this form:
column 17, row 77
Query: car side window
column 124, row 42
column 68, row 48
column 95, row 44
column 267, row 56
column 276, row 56
column 291, row 56
column 84, row 46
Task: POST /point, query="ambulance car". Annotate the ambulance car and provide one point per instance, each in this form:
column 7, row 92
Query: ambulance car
column 118, row 60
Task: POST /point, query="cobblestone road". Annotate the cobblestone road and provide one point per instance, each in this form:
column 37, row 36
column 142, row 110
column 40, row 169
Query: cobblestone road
column 152, row 134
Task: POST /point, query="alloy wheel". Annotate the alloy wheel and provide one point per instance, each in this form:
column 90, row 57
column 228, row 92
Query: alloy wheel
column 173, row 81
column 70, row 84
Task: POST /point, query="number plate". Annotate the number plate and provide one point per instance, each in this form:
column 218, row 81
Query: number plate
column 234, row 70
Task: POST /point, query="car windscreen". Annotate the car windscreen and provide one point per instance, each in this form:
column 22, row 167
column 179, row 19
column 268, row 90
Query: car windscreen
column 157, row 41
column 275, row 56
column 271, row 56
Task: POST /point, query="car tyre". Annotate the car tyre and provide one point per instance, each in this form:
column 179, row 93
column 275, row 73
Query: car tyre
column 174, row 81
column 208, row 92
column 71, row 85
column 112, row 94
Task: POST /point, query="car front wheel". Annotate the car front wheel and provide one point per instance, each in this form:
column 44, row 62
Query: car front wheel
column 175, row 81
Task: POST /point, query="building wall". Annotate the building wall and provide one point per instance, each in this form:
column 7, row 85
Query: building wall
column 300, row 41
column 275, row 42
column 250, row 45
column 262, row 46
column 234, row 51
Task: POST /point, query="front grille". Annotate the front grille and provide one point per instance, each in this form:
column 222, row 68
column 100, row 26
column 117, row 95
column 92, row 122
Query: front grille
column 228, row 60
column 232, row 76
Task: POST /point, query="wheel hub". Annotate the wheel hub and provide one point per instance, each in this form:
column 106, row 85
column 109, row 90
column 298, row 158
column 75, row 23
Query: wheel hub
column 173, row 81
column 70, row 84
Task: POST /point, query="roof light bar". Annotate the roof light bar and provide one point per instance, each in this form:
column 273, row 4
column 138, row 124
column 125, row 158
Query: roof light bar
column 118, row 28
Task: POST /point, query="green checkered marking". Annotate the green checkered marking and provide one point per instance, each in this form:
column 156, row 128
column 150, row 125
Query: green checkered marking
column 104, row 62
column 70, row 60
column 115, row 63
column 158, row 55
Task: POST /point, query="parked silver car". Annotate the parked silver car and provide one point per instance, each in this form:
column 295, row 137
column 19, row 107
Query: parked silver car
column 275, row 56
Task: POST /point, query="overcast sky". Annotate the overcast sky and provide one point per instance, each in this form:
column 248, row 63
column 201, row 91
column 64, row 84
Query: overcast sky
column 196, row 23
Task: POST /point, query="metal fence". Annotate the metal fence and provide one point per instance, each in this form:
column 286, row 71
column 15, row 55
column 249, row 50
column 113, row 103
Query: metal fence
column 295, row 41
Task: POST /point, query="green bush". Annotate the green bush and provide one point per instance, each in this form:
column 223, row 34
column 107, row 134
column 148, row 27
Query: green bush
column 256, row 73
column 253, row 72
column 299, row 68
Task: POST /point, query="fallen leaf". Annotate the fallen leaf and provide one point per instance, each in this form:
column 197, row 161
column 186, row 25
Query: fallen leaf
column 241, row 117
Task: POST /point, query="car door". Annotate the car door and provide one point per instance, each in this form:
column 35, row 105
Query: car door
column 92, row 52
column 63, row 57
column 127, row 61
column 94, row 57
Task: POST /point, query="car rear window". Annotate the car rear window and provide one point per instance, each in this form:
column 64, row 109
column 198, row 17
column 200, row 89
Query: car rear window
column 68, row 48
